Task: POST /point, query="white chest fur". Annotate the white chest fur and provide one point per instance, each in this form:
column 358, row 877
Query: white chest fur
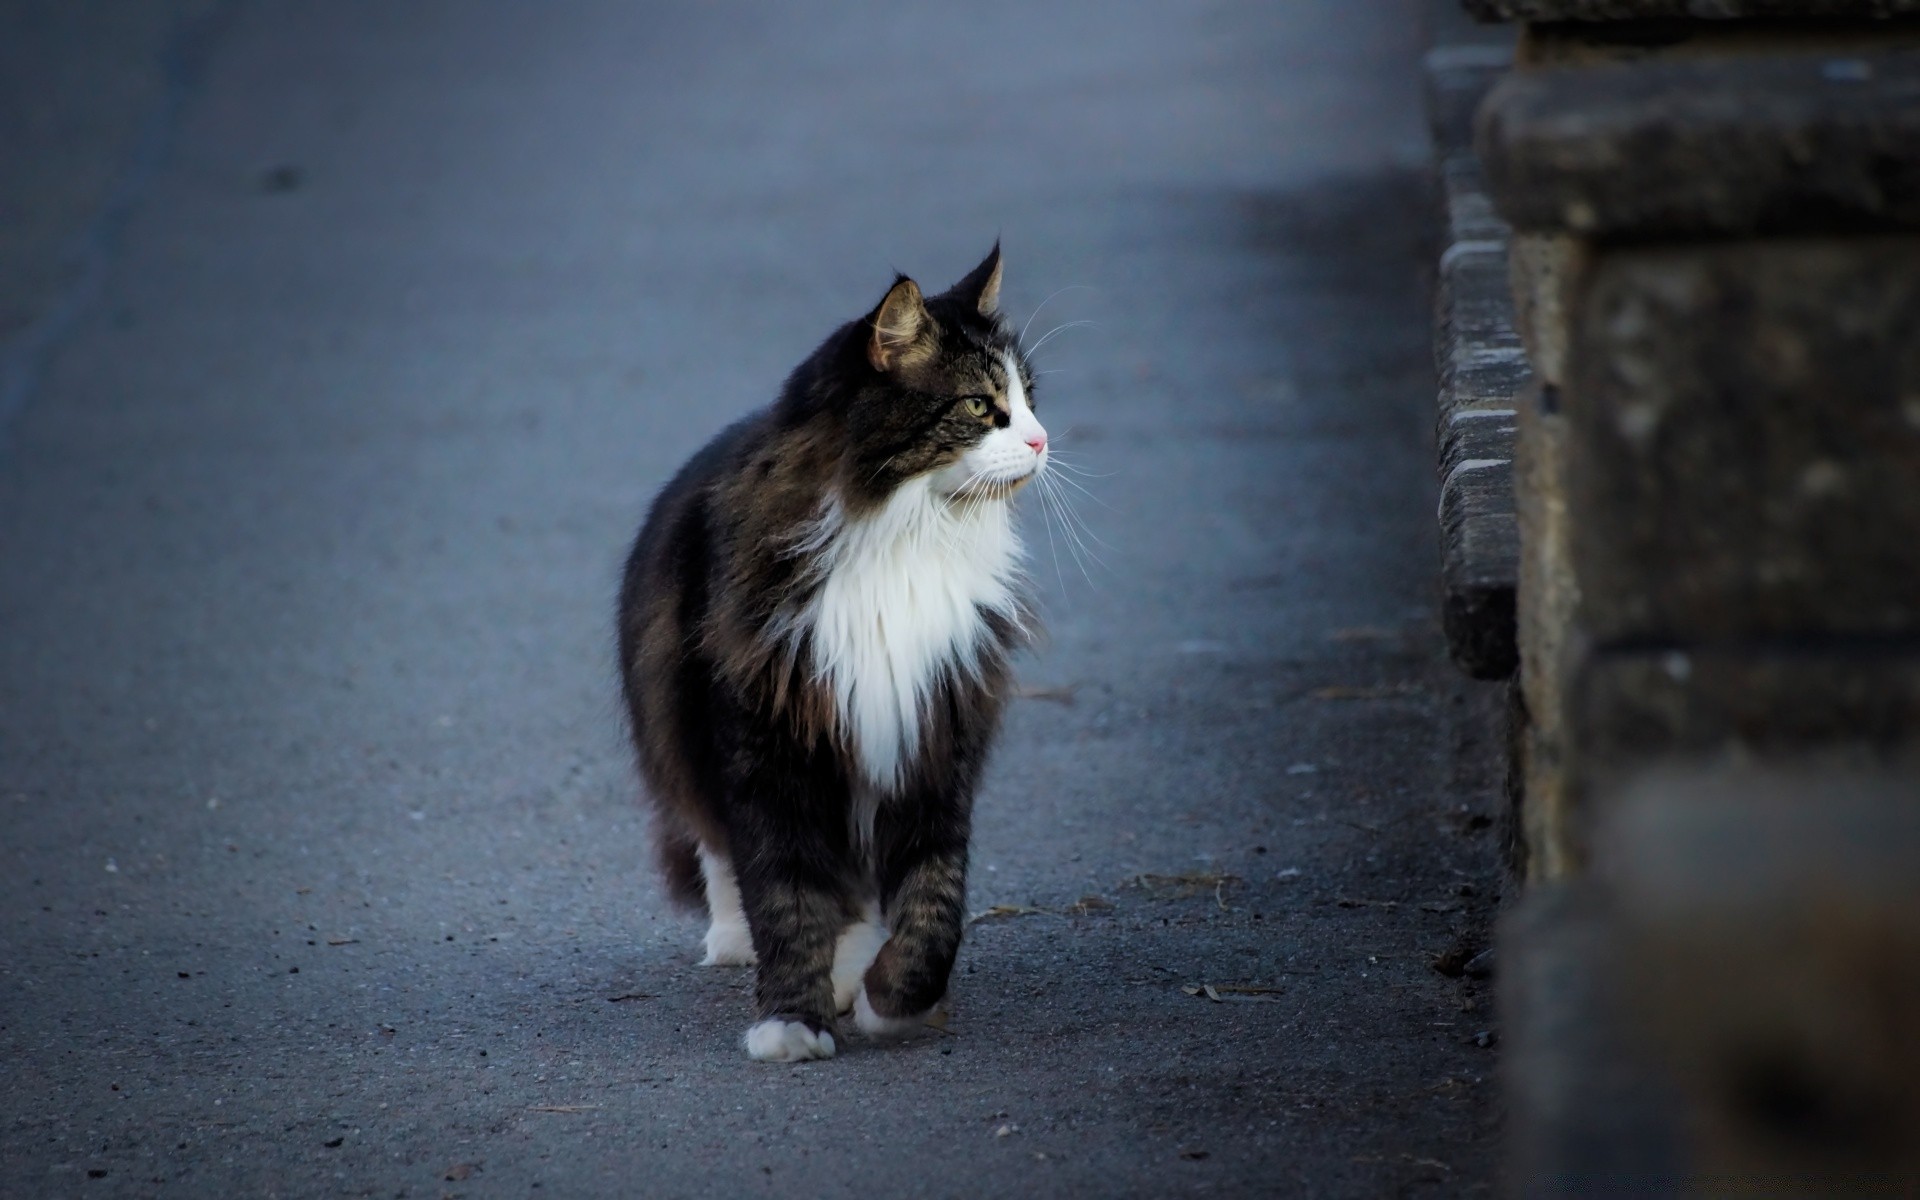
column 900, row 603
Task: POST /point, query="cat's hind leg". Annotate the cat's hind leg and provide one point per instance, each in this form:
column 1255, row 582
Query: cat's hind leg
column 729, row 942
column 859, row 943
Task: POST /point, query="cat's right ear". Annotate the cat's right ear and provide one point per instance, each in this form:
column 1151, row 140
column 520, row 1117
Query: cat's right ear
column 900, row 328
column 981, row 287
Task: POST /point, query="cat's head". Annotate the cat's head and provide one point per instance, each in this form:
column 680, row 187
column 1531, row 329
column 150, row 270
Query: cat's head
column 947, row 394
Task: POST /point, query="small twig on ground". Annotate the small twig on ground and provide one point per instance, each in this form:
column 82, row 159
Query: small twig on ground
column 1388, row 691
column 1063, row 695
column 1006, row 912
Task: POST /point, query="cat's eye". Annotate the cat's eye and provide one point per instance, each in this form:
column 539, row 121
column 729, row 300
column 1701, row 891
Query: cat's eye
column 977, row 405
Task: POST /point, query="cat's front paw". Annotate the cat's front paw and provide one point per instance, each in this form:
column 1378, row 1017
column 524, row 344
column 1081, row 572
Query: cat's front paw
column 873, row 1024
column 779, row 1040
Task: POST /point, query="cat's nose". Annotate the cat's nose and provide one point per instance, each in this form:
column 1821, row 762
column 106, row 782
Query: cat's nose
column 1039, row 442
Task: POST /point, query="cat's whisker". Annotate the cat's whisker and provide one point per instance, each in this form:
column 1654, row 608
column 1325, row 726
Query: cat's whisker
column 965, row 492
column 1054, row 332
column 1031, row 317
column 1046, row 514
column 1067, row 464
column 1046, row 522
column 1083, row 528
column 1075, row 546
column 1076, row 485
column 1067, row 480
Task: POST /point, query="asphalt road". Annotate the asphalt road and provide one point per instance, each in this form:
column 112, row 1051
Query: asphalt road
column 321, row 871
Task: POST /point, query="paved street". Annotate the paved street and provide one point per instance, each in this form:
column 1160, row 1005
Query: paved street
column 322, row 871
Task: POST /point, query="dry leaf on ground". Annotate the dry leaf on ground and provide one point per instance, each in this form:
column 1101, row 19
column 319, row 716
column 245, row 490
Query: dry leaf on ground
column 1003, row 912
column 1224, row 993
column 1183, row 886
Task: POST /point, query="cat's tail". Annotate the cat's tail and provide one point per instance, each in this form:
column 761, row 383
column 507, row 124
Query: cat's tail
column 680, row 868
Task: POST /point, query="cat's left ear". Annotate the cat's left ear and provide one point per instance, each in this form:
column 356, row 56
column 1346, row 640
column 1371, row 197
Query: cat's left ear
column 901, row 326
column 981, row 287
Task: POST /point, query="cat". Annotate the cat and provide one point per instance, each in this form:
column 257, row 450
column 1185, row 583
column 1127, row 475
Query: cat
column 815, row 626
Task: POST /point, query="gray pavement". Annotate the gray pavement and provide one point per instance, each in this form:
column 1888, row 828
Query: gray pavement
column 321, row 871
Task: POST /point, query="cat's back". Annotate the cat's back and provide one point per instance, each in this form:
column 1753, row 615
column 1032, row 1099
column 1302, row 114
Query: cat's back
column 675, row 538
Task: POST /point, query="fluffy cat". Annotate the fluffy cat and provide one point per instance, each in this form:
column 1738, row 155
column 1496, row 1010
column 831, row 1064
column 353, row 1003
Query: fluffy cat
column 815, row 626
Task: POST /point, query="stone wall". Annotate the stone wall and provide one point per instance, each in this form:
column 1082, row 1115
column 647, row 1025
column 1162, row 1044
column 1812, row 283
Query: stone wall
column 1713, row 246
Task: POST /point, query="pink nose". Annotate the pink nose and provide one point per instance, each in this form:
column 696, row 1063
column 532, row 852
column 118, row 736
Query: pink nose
column 1038, row 441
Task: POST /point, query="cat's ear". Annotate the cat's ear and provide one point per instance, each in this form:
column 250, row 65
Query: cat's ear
column 981, row 287
column 900, row 328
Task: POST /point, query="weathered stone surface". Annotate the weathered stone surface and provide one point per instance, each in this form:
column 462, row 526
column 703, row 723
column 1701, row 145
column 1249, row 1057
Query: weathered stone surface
column 1546, row 609
column 1585, row 1113
column 1553, row 839
column 1587, row 44
column 1545, row 277
column 1743, row 454
column 1729, row 145
column 1481, row 366
column 1618, row 10
column 1854, row 704
column 1457, row 78
column 1477, row 620
column 1471, row 219
column 1478, row 360
column 1769, row 944
column 1858, row 700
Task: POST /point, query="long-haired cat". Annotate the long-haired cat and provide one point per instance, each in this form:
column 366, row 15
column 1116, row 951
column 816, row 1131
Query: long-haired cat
column 815, row 626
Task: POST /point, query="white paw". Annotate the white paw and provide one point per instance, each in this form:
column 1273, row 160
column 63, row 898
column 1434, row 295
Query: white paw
column 728, row 945
column 852, row 955
column 787, row 1041
column 874, row 1025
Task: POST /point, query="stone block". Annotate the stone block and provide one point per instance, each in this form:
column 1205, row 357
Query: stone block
column 1471, row 219
column 1457, row 78
column 1546, row 610
column 1857, row 701
column 1768, row 925
column 1481, row 365
column 1586, row 1114
column 1552, row 837
column 1708, row 146
column 1588, row 44
column 1479, row 356
column 1852, row 704
column 1640, row 10
column 1743, row 441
